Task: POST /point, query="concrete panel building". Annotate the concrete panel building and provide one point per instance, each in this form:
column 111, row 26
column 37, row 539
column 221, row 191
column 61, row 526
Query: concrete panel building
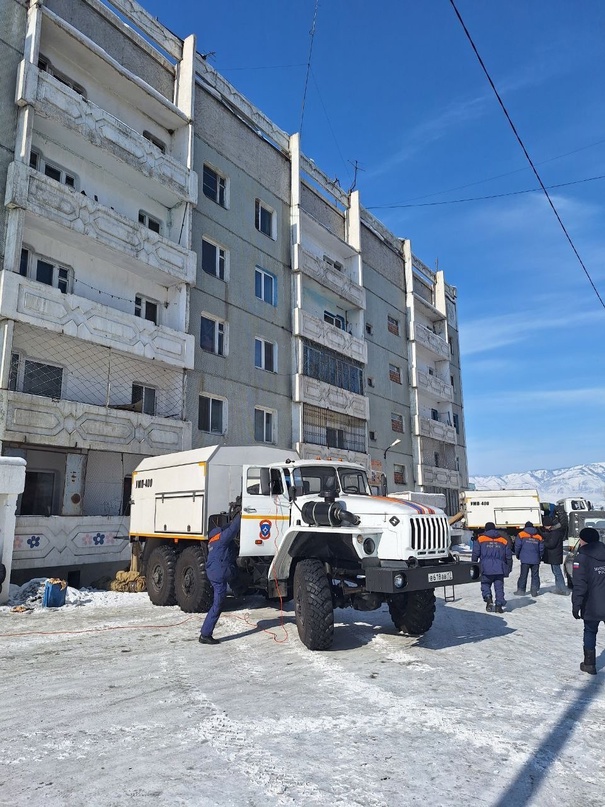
column 177, row 273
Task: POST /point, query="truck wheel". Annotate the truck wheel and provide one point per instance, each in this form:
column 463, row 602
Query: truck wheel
column 313, row 604
column 413, row 612
column 160, row 575
column 192, row 588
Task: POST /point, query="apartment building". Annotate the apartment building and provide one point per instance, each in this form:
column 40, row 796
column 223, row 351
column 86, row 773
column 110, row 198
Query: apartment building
column 177, row 273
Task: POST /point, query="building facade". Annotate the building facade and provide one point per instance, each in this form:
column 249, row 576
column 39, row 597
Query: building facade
column 177, row 273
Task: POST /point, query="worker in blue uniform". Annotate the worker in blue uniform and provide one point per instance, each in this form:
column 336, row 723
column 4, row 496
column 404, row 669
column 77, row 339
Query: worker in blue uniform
column 220, row 568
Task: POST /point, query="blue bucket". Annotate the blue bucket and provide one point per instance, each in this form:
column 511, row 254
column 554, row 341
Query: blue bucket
column 54, row 594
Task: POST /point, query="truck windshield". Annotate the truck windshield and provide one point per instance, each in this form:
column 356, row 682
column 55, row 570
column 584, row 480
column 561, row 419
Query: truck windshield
column 317, row 480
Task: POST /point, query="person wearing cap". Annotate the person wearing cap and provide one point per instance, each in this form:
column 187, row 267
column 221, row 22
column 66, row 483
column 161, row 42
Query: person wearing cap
column 529, row 548
column 553, row 551
column 219, row 570
column 494, row 552
column 588, row 595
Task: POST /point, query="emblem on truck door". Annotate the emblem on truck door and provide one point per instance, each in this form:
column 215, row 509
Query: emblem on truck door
column 265, row 529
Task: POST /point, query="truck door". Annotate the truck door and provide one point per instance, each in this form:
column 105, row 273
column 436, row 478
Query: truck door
column 265, row 510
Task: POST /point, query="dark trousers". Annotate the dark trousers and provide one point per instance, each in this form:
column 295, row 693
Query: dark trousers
column 220, row 592
column 535, row 577
column 591, row 628
column 486, row 587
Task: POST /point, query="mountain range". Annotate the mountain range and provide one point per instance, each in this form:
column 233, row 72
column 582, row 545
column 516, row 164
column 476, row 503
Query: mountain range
column 581, row 480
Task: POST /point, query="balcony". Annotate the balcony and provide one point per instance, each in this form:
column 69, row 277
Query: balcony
column 68, row 216
column 435, row 430
column 329, row 277
column 325, row 396
column 432, row 386
column 310, row 327
column 83, row 123
column 44, row 542
column 439, row 477
column 311, row 451
column 36, row 419
column 431, row 341
column 46, row 307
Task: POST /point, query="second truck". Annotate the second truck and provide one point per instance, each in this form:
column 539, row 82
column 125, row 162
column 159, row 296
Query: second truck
column 310, row 532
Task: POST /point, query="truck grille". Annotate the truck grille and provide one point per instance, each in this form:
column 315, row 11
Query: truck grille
column 429, row 534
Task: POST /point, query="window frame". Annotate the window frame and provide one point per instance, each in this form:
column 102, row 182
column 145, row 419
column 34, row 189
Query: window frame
column 154, row 140
column 217, row 273
column 394, row 373
column 393, row 325
column 261, row 208
column 141, row 301
column 220, row 196
column 62, row 276
column 264, row 275
column 336, row 320
column 39, row 163
column 264, row 343
column 145, row 389
column 219, row 335
column 147, row 219
column 397, row 420
column 399, row 474
column 223, row 409
column 18, row 375
column 268, row 415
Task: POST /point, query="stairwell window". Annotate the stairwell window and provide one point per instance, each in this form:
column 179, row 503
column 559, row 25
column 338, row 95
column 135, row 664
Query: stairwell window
column 145, row 396
column 395, row 373
column 265, row 286
column 214, row 186
column 396, row 422
column 399, row 476
column 265, row 355
column 265, row 219
column 393, row 325
column 214, row 259
column 153, row 224
column 213, row 335
column 264, row 420
column 211, row 414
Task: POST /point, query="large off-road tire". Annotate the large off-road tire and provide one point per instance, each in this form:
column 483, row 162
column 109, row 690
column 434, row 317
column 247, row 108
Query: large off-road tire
column 159, row 574
column 413, row 612
column 192, row 588
column 313, row 604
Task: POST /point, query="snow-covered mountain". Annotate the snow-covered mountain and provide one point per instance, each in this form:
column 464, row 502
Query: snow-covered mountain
column 581, row 480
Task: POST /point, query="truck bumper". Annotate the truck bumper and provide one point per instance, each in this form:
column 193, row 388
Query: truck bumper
column 388, row 580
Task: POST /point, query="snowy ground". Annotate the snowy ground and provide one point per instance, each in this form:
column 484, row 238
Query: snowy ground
column 113, row 702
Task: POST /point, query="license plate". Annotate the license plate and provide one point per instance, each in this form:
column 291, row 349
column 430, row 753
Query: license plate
column 439, row 577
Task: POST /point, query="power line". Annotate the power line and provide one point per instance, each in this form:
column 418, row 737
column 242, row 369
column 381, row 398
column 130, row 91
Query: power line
column 529, row 160
column 481, row 198
column 312, row 34
column 329, row 122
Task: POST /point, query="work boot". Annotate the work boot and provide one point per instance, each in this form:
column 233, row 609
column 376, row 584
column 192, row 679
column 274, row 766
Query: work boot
column 489, row 604
column 520, row 592
column 534, row 593
column 589, row 665
column 208, row 640
column 499, row 609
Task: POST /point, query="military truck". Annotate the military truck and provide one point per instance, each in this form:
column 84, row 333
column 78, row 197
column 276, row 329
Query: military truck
column 310, row 532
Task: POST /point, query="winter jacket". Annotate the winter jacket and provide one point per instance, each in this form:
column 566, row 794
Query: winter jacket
column 588, row 593
column 220, row 565
column 529, row 546
column 553, row 545
column 494, row 552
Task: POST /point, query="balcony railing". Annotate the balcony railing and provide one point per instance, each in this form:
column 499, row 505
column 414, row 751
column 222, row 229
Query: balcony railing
column 315, row 329
column 434, row 429
column 333, row 279
column 325, row 396
column 431, row 341
column 432, row 386
column 440, row 477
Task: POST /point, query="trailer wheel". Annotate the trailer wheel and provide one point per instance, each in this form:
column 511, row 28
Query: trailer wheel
column 413, row 612
column 192, row 588
column 313, row 604
column 160, row 575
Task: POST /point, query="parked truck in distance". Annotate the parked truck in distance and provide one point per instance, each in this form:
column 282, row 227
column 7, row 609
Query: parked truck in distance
column 310, row 532
column 509, row 510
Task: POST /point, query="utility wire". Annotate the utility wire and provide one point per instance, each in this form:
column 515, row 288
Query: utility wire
column 312, row 33
column 481, row 198
column 329, row 123
column 520, row 141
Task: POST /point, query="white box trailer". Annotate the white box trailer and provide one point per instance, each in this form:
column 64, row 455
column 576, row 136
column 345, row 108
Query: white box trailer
column 508, row 509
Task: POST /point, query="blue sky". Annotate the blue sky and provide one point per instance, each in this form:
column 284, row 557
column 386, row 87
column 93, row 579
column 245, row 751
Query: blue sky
column 395, row 86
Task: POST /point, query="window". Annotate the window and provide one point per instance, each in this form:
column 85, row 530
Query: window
column 156, row 141
column 265, row 355
column 335, row 319
column 45, row 66
column 399, row 474
column 369, row 329
column 146, row 309
column 52, row 170
column 213, row 259
column 265, row 286
column 396, row 422
column 393, row 325
column 211, row 415
column 153, row 224
column 38, row 494
column 212, row 336
column 394, row 373
column 457, row 423
column 42, row 379
column 145, row 396
column 335, row 438
column 373, row 436
column 452, row 380
column 370, row 382
column 13, row 373
column 332, row 368
column 434, row 414
column 24, row 262
column 52, row 275
column 332, row 263
column 264, row 219
column 436, row 459
column 214, row 186
column 263, row 425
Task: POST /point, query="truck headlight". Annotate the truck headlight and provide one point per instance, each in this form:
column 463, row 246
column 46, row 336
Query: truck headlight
column 399, row 581
column 369, row 546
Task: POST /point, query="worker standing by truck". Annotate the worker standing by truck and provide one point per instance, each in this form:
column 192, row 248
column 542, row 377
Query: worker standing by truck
column 529, row 549
column 494, row 552
column 219, row 570
column 588, row 596
column 553, row 550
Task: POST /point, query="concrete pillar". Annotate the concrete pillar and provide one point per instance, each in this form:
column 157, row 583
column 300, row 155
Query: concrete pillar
column 12, row 482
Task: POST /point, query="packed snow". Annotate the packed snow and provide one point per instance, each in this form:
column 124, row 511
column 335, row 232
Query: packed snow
column 111, row 701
